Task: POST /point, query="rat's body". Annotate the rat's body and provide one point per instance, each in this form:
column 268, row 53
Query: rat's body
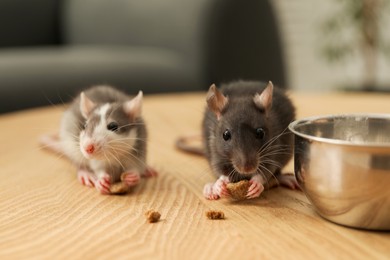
column 104, row 135
column 246, row 136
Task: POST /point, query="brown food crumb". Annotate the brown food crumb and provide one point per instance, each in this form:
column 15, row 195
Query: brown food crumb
column 152, row 216
column 238, row 190
column 119, row 188
column 213, row 214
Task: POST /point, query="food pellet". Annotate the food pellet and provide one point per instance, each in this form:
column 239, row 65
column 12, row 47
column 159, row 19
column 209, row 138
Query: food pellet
column 213, row 214
column 152, row 216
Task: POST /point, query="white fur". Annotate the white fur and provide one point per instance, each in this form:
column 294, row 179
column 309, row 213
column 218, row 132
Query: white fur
column 69, row 139
column 127, row 162
column 101, row 136
column 95, row 167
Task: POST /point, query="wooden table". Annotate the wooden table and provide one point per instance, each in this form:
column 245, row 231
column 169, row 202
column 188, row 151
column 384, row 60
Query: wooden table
column 46, row 213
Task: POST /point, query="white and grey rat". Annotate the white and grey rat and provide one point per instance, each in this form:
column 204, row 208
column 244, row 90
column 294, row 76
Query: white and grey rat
column 246, row 136
column 104, row 135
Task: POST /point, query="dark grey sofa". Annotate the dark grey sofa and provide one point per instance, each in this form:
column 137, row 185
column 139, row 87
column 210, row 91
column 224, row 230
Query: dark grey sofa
column 50, row 49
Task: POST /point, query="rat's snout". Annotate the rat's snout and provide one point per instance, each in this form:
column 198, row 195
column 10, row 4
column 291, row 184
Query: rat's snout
column 247, row 168
column 90, row 149
column 246, row 164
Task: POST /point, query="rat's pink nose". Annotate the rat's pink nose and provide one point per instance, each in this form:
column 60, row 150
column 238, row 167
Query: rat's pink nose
column 90, row 149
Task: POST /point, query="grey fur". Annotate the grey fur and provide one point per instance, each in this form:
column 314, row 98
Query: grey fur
column 241, row 116
column 73, row 123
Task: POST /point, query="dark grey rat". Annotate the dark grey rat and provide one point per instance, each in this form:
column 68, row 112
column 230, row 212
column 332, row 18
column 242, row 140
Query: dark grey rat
column 104, row 135
column 246, row 136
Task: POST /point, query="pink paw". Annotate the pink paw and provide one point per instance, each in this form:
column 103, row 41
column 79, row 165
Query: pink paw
column 131, row 178
column 220, row 188
column 289, row 181
column 214, row 191
column 103, row 184
column 256, row 187
column 86, row 178
column 150, row 172
column 208, row 192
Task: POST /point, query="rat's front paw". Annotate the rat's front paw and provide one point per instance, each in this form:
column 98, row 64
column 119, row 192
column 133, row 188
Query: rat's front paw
column 220, row 187
column 131, row 178
column 214, row 191
column 103, row 184
column 208, row 192
column 256, row 187
column 86, row 177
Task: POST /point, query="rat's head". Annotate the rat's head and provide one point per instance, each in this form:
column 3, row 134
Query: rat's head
column 110, row 129
column 242, row 129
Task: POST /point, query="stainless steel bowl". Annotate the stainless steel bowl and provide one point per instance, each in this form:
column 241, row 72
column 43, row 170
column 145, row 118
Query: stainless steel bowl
column 342, row 163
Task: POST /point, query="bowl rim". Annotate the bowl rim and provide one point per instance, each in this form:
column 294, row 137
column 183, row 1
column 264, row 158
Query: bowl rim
column 310, row 119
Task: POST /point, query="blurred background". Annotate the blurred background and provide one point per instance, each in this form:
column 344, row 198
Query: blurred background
column 336, row 44
column 51, row 49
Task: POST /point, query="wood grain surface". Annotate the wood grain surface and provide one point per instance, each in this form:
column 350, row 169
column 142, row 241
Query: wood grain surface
column 45, row 213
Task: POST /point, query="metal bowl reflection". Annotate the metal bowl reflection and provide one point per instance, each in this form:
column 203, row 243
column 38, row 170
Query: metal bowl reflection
column 342, row 163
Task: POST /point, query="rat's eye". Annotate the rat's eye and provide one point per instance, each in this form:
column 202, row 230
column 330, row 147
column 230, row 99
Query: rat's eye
column 226, row 135
column 260, row 133
column 112, row 126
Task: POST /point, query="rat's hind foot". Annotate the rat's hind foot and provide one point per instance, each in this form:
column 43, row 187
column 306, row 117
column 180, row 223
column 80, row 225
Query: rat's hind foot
column 131, row 178
column 256, row 187
column 103, row 184
column 289, row 181
column 86, row 178
column 214, row 191
column 150, row 172
column 51, row 142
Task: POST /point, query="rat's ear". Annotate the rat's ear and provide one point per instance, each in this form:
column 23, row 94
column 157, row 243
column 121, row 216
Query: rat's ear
column 216, row 101
column 86, row 105
column 264, row 99
column 133, row 107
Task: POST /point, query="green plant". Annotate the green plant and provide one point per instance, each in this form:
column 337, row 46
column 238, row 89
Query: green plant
column 356, row 28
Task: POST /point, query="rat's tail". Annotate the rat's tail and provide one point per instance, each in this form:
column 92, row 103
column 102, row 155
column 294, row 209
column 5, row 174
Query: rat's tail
column 186, row 144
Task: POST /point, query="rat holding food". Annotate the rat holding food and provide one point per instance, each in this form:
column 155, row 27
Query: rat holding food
column 104, row 135
column 246, row 137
